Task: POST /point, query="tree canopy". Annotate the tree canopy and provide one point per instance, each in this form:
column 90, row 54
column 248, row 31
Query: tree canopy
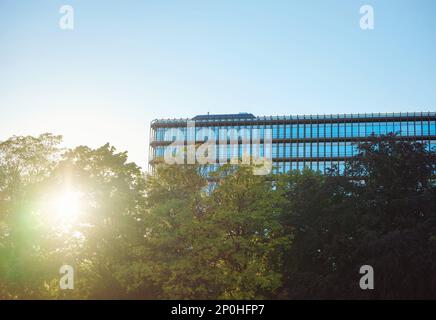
column 176, row 234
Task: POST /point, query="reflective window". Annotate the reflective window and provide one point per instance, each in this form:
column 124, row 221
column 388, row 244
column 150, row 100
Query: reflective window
column 287, row 167
column 287, row 150
column 335, row 149
column 352, row 130
column 341, row 130
column 425, row 128
column 307, row 150
column 321, row 130
column 418, row 128
column 314, row 150
column 301, row 131
column 411, row 128
column 294, row 150
column 307, row 133
column 275, row 132
column 397, row 127
column 314, row 131
column 362, row 130
column 328, row 150
column 281, row 131
column 432, row 128
column 288, row 132
column 300, row 150
column 281, row 150
column 274, row 150
column 294, row 131
column 335, row 130
column 342, row 149
column 328, row 130
column 321, row 149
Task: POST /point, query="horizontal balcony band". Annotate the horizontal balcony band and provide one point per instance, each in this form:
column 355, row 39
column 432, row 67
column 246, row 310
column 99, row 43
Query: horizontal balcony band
column 282, row 159
column 302, row 140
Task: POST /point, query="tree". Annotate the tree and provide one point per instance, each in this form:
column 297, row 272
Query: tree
column 381, row 213
column 111, row 218
column 203, row 243
column 35, row 242
column 25, row 163
column 232, row 235
column 397, row 215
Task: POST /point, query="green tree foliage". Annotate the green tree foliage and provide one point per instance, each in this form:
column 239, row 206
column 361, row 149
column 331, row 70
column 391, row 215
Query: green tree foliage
column 175, row 234
column 111, row 217
column 25, row 162
column 381, row 213
column 202, row 243
column 35, row 243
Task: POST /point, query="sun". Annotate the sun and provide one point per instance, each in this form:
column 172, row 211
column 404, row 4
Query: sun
column 65, row 207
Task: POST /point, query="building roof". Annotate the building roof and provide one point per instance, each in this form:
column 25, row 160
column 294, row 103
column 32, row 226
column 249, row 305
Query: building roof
column 239, row 117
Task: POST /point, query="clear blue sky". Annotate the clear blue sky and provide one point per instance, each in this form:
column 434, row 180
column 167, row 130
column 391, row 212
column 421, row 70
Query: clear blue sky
column 128, row 62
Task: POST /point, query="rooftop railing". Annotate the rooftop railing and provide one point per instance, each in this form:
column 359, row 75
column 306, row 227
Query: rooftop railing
column 213, row 119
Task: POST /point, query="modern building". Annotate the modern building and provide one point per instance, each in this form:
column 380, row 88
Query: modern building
column 314, row 141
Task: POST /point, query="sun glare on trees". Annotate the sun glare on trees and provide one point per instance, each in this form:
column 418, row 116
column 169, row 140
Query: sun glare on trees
column 65, row 207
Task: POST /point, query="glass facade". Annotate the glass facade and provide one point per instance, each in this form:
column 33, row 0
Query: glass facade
column 317, row 142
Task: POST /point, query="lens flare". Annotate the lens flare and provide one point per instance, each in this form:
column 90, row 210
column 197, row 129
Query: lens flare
column 64, row 208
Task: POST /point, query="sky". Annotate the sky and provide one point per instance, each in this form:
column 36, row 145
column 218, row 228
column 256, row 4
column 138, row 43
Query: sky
column 128, row 62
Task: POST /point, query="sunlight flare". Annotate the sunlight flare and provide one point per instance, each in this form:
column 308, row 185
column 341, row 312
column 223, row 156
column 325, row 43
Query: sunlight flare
column 65, row 207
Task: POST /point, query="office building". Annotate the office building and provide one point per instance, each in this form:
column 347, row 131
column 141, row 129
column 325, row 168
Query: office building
column 314, row 141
